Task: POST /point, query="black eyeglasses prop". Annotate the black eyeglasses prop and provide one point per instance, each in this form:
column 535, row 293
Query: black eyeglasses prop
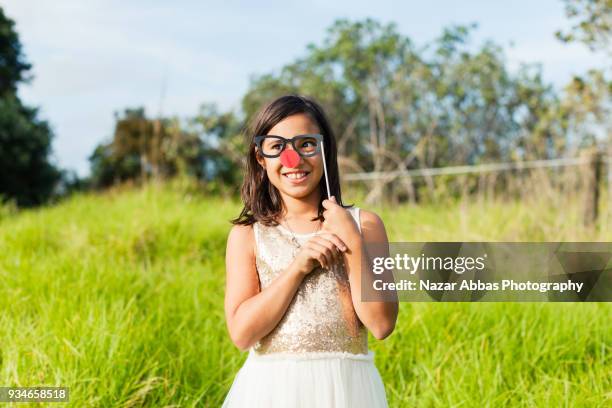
column 272, row 146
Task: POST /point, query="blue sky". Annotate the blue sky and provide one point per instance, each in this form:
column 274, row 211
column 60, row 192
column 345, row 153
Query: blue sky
column 94, row 57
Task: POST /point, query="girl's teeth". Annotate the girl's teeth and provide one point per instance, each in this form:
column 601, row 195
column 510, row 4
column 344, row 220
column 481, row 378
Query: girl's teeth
column 296, row 175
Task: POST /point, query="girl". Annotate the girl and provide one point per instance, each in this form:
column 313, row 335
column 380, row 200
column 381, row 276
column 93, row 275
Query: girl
column 294, row 272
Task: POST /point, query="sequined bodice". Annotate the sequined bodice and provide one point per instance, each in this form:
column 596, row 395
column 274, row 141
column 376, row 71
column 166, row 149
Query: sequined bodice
column 321, row 317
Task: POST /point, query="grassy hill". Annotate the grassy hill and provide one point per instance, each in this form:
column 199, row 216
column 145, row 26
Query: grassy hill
column 119, row 296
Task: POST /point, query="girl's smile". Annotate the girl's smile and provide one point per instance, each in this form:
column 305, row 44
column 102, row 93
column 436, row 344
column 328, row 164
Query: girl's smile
column 296, row 176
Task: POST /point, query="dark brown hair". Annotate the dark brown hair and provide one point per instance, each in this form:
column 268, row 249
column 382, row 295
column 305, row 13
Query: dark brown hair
column 262, row 200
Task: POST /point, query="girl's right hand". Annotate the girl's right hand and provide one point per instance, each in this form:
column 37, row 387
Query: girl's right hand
column 321, row 250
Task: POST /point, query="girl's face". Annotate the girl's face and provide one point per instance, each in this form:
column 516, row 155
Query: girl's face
column 307, row 173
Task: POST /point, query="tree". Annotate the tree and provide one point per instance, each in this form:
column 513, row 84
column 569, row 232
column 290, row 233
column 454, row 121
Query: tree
column 586, row 100
column 13, row 65
column 594, row 25
column 143, row 148
column 26, row 174
column 586, row 108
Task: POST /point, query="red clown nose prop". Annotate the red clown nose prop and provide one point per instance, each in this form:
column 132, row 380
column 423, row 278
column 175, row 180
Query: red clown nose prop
column 290, row 158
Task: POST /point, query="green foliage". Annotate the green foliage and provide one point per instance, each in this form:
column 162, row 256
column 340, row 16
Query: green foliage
column 224, row 144
column 26, row 175
column 143, row 148
column 586, row 107
column 593, row 26
column 108, row 169
column 25, row 144
column 13, row 65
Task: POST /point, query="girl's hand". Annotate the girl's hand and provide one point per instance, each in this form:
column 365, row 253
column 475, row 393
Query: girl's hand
column 323, row 250
column 339, row 221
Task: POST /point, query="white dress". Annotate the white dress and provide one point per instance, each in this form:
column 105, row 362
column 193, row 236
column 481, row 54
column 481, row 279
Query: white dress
column 317, row 355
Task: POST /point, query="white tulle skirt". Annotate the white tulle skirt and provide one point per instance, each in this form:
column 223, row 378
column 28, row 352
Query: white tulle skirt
column 329, row 380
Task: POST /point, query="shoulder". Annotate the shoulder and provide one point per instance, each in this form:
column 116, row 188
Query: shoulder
column 372, row 225
column 370, row 218
column 238, row 230
column 241, row 236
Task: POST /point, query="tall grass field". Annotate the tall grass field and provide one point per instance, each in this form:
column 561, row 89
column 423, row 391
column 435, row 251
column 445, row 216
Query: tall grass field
column 119, row 296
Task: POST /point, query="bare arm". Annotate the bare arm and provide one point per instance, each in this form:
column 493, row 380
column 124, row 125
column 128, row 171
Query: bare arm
column 252, row 313
column 378, row 316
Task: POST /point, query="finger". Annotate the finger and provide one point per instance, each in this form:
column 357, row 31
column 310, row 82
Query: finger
column 336, row 243
column 320, row 257
column 322, row 261
column 333, row 250
column 314, row 254
column 329, row 204
column 326, row 240
column 337, row 248
column 331, row 259
column 335, row 239
column 325, row 252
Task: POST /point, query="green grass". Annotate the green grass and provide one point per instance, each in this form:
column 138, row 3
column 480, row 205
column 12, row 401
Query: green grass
column 119, row 296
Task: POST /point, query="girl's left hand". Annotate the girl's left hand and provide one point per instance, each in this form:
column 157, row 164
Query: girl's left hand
column 339, row 221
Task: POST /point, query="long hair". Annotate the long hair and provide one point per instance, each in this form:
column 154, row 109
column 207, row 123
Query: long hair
column 262, row 200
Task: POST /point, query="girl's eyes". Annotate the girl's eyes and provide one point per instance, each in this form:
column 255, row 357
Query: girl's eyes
column 302, row 144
